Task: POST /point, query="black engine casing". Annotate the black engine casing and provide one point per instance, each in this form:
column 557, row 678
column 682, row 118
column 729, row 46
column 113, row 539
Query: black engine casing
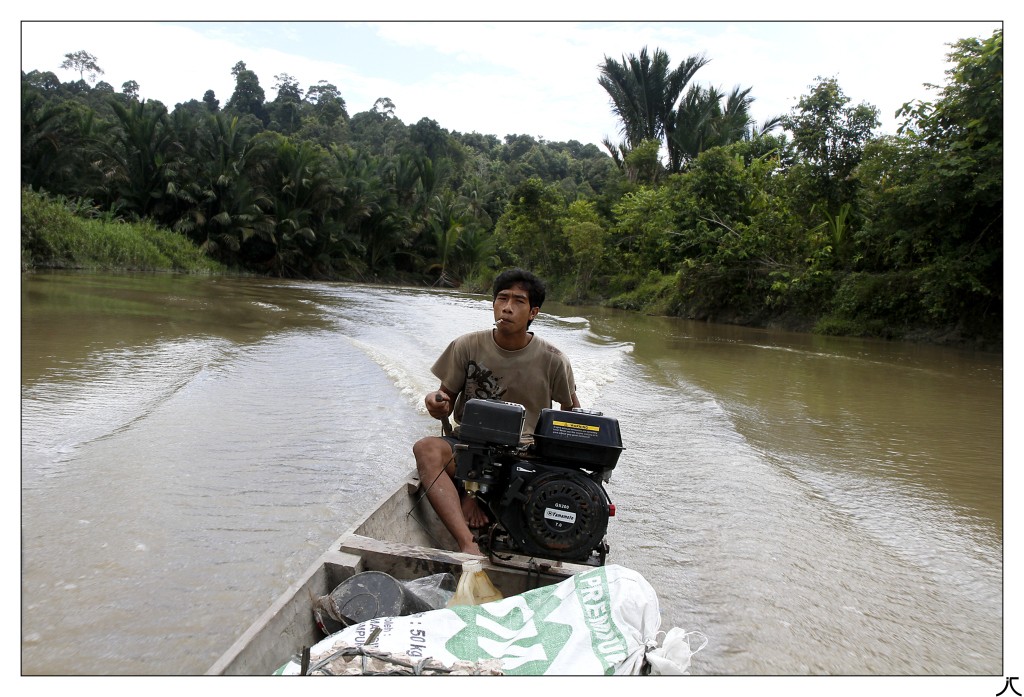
column 547, row 500
column 552, row 512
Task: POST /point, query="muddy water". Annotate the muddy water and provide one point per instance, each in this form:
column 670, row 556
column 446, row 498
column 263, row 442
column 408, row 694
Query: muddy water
column 190, row 445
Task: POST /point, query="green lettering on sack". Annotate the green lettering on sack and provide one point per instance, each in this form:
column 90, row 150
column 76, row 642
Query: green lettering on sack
column 608, row 643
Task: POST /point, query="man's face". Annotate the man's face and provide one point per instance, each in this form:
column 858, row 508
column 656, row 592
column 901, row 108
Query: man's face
column 512, row 311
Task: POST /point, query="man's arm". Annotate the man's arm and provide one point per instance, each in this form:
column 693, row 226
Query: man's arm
column 575, row 403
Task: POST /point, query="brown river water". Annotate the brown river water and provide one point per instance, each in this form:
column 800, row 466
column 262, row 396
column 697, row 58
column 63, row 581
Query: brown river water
column 813, row 505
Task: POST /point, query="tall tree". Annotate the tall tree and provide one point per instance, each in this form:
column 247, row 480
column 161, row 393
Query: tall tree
column 943, row 196
column 211, row 101
column 328, row 106
column 84, row 62
column 248, row 97
column 286, row 110
column 829, row 137
column 130, row 89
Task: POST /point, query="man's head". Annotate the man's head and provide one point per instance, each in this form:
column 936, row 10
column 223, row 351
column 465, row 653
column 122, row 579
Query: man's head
column 520, row 281
column 525, row 280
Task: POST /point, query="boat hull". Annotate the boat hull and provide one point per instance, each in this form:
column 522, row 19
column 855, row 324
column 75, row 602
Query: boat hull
column 402, row 537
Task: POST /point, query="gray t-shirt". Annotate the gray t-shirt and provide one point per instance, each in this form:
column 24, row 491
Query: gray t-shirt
column 473, row 366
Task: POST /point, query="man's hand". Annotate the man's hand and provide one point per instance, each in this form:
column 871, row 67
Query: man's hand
column 439, row 405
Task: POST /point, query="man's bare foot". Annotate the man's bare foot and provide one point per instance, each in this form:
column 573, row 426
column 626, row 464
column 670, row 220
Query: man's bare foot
column 471, row 548
column 474, row 515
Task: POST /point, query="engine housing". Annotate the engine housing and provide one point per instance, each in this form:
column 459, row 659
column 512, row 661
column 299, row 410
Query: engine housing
column 545, row 500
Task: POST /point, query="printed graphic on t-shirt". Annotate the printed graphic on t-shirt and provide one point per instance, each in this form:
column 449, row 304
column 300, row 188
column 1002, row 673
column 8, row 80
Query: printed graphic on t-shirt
column 481, row 383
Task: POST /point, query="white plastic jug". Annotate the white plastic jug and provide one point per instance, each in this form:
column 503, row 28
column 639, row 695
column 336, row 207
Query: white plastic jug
column 474, row 588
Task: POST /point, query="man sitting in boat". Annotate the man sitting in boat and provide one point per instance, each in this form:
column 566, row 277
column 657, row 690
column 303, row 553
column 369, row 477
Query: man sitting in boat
column 508, row 363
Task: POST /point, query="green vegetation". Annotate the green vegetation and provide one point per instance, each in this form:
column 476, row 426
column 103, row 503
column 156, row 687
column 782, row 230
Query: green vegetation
column 808, row 220
column 55, row 234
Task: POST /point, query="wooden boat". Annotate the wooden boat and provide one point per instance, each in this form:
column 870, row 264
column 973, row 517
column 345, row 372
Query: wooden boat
column 402, row 537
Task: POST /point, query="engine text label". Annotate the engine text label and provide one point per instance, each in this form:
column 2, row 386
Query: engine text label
column 575, row 431
column 559, row 516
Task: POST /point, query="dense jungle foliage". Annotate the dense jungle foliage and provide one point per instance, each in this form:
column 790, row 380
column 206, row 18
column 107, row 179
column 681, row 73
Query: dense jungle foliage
column 807, row 221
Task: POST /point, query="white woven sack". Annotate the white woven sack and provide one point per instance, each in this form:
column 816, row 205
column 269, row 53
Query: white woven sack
column 599, row 622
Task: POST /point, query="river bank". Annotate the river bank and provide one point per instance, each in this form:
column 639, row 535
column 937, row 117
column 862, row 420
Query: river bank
column 57, row 234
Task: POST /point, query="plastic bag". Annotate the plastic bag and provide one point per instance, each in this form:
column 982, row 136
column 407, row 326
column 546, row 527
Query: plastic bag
column 372, row 594
column 434, row 591
column 673, row 656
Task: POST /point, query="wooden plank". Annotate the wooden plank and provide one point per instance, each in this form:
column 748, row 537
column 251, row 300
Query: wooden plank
column 411, row 561
column 403, row 560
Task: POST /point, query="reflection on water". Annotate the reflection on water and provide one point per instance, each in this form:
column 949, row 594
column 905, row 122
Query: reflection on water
column 70, row 319
column 190, row 445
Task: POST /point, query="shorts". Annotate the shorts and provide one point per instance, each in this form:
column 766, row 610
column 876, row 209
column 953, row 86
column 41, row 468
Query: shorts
column 453, row 441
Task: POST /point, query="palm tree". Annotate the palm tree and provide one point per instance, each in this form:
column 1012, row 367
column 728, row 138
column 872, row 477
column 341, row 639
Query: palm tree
column 219, row 206
column 138, row 157
column 618, row 152
column 475, row 250
column 295, row 177
column 648, row 97
column 370, row 213
column 697, row 122
column 448, row 217
column 415, row 180
column 44, row 140
column 478, row 195
column 644, row 91
column 237, row 218
column 708, row 118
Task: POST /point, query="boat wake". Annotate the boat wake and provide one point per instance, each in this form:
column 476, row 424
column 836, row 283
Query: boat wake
column 105, row 396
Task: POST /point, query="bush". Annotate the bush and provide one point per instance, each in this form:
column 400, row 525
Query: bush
column 654, row 295
column 893, row 297
column 885, row 305
column 53, row 237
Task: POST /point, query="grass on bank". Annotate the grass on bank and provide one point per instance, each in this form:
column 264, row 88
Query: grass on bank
column 52, row 237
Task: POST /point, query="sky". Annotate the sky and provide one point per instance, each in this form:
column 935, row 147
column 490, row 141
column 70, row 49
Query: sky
column 508, row 77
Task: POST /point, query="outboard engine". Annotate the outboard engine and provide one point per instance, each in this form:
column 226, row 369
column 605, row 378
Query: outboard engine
column 546, row 500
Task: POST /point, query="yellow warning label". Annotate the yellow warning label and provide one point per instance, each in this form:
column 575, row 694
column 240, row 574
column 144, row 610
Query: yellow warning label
column 581, row 427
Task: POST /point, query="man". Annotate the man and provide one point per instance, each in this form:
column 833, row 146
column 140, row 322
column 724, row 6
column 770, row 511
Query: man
column 508, row 363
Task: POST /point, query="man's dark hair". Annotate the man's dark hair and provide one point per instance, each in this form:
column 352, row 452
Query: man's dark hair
column 533, row 285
